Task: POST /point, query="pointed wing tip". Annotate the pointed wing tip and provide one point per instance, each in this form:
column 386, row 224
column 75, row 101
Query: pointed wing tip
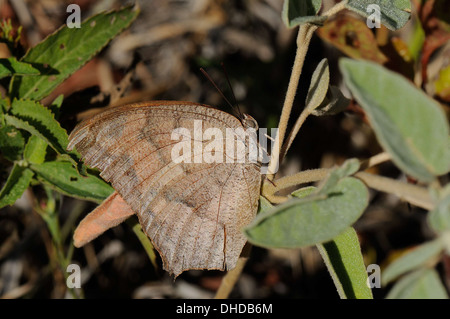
column 79, row 241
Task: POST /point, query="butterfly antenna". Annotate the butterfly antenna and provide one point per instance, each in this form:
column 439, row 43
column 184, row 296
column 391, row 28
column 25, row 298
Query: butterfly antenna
column 215, row 85
column 231, row 89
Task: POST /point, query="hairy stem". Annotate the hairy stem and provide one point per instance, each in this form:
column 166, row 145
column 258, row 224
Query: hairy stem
column 269, row 190
column 303, row 39
column 413, row 194
column 145, row 241
column 336, row 8
column 232, row 276
column 375, row 160
column 50, row 216
column 298, row 124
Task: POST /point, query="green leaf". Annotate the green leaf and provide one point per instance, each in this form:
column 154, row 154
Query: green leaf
column 304, row 191
column 421, row 284
column 55, row 106
column 417, row 257
column 319, row 85
column 310, row 220
column 344, row 261
column 393, row 14
column 12, row 143
column 4, row 106
column 348, row 168
column 17, row 182
column 38, row 120
column 439, row 217
column 11, row 66
column 35, row 150
column 297, row 12
column 63, row 177
column 408, row 124
column 67, row 50
column 264, row 204
column 334, row 103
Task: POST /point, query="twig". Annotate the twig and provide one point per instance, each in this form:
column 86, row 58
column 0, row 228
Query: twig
column 298, row 124
column 313, row 175
column 145, row 241
column 304, row 37
column 232, row 276
column 336, row 8
column 413, row 194
column 375, row 160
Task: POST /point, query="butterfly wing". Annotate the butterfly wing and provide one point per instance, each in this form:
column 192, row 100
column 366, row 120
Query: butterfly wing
column 192, row 212
column 110, row 213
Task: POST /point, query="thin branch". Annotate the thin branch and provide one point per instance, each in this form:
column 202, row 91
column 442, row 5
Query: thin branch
column 375, row 160
column 413, row 194
column 290, row 139
column 313, row 175
column 232, row 276
column 303, row 39
column 336, row 8
column 145, row 241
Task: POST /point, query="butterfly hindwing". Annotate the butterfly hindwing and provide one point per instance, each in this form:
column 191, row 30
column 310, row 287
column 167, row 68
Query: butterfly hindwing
column 192, row 212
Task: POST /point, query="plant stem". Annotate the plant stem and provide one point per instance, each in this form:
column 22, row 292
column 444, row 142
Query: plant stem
column 298, row 124
column 145, row 241
column 375, row 160
column 336, row 8
column 303, row 39
column 50, row 216
column 413, row 194
column 232, row 276
column 313, row 175
column 304, row 36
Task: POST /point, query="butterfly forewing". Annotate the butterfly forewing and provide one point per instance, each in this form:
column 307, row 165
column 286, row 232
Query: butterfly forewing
column 193, row 212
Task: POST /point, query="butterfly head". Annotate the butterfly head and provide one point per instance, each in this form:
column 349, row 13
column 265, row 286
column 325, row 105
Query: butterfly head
column 249, row 122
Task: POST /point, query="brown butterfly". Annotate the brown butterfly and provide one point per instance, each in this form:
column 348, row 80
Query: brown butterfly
column 192, row 212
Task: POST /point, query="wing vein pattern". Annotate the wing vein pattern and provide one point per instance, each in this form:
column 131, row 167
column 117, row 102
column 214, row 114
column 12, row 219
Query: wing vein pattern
column 192, row 212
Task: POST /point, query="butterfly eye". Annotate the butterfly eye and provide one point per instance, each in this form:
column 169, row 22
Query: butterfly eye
column 249, row 122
